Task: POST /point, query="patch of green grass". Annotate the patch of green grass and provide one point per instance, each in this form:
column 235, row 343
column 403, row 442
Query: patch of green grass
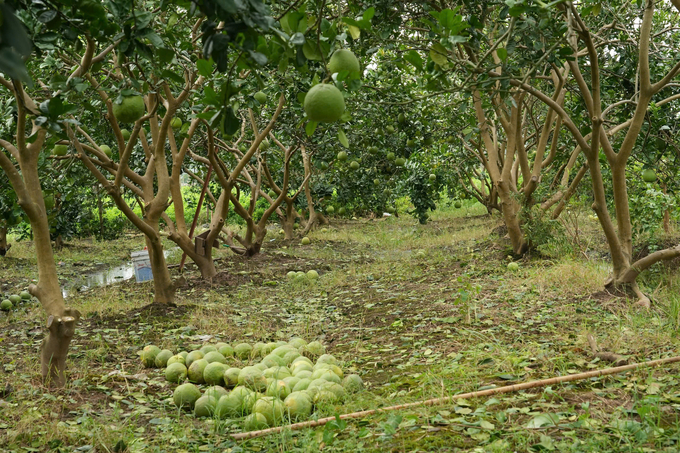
column 451, row 320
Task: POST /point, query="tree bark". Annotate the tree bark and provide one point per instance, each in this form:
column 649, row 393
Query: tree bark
column 4, row 246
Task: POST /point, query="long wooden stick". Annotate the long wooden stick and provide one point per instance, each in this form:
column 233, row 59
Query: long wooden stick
column 447, row 399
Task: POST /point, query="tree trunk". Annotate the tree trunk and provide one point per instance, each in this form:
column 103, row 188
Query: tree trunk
column 511, row 218
column 4, row 246
column 100, row 208
column 164, row 290
column 288, row 222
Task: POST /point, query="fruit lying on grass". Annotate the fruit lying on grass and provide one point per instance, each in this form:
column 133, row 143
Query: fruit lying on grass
column 278, row 383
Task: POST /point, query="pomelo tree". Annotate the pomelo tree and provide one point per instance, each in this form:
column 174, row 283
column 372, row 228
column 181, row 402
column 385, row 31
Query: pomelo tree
column 600, row 56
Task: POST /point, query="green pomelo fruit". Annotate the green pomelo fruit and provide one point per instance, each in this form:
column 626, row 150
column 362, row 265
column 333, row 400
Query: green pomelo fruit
column 303, row 374
column 130, row 109
column 15, row 299
column 226, row 351
column 125, row 133
column 261, row 366
column 401, row 118
column 268, row 348
column 303, row 359
column 214, row 356
column 648, row 175
column 148, row 355
column 342, row 210
column 277, row 372
column 342, row 156
column 271, row 408
column 264, row 145
column 6, row 305
column 513, row 266
column 176, row 123
column 163, row 357
column 410, row 143
column 205, row 406
column 325, row 397
column 297, row 342
column 214, row 373
column 106, row 149
column 291, row 381
column 324, row 103
column 376, row 182
column 302, row 385
column 305, row 241
column 255, row 422
column 433, row 177
column 354, row 165
column 353, row 383
column 283, row 350
column 186, row 395
column 241, row 392
column 298, row 406
column 177, row 358
column 331, row 377
column 229, row 406
column 260, row 97
column 216, row 392
column 458, row 204
column 428, row 141
column 390, row 129
column 327, row 358
column 252, row 378
column 196, row 369
column 343, row 60
column 337, row 389
column 219, row 345
column 231, row 376
column 273, row 360
column 291, row 275
column 184, row 354
column 192, row 357
column 400, row 162
column 243, row 350
column 59, row 150
column 314, row 349
column 290, row 356
column 323, row 165
column 279, row 389
column 390, row 210
column 207, row 348
column 317, row 384
column 301, row 366
column 373, row 150
column 330, row 210
column 390, row 156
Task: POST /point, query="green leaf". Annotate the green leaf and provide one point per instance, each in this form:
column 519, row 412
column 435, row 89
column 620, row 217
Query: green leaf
column 343, row 138
column 354, row 31
column 438, row 53
column 205, row 67
column 502, row 53
column 414, row 58
column 542, row 420
column 310, row 128
column 369, row 13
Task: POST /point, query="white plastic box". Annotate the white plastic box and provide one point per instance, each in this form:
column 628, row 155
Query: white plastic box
column 142, row 265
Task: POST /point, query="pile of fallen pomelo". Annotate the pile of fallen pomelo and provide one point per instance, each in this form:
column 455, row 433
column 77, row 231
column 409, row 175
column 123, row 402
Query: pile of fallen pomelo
column 265, row 384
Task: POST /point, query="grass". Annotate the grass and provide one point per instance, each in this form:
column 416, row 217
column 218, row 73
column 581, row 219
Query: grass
column 415, row 327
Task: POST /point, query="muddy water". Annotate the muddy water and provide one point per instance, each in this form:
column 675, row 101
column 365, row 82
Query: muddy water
column 103, row 277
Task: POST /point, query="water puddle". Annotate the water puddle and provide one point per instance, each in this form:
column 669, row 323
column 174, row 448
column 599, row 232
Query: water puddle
column 104, row 277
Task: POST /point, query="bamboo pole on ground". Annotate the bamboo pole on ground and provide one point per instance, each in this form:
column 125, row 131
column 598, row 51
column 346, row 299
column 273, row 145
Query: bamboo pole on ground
column 448, row 399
